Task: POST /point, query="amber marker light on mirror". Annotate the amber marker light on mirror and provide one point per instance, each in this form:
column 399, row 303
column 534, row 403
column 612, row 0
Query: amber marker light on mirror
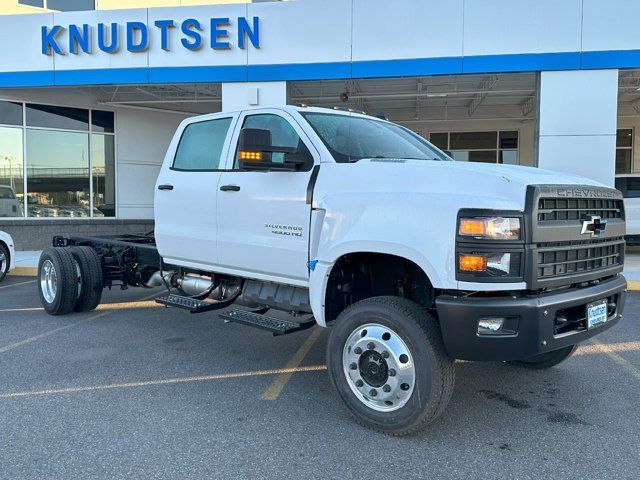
column 242, row 155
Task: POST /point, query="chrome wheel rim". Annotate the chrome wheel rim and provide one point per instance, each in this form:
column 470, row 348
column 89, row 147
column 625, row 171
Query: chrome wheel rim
column 48, row 281
column 379, row 367
column 3, row 263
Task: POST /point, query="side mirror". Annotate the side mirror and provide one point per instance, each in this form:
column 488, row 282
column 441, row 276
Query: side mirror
column 255, row 152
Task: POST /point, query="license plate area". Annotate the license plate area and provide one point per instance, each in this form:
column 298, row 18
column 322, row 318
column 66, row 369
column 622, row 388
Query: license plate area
column 596, row 313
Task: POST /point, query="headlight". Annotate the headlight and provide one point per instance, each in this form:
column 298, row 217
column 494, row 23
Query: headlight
column 490, row 228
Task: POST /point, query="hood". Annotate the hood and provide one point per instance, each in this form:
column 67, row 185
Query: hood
column 508, row 173
column 455, row 184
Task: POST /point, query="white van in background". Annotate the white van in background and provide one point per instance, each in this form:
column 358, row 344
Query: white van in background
column 9, row 205
column 629, row 185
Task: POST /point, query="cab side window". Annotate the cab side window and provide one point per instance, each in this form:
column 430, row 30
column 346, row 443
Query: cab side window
column 282, row 134
column 200, row 148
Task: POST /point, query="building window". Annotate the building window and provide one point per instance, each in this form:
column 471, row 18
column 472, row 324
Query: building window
column 61, row 5
column 11, row 172
column 71, row 5
column 487, row 147
column 624, row 151
column 67, row 169
column 32, row 3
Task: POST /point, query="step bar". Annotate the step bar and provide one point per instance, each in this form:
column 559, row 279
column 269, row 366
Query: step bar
column 277, row 326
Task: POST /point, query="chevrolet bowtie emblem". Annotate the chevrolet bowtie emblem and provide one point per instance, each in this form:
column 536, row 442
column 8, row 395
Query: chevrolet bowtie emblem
column 593, row 226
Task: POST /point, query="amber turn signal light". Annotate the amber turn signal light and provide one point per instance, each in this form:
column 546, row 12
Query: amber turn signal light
column 472, row 227
column 472, row 263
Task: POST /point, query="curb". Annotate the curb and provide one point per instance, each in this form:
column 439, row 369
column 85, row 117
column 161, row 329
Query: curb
column 633, row 285
column 24, row 271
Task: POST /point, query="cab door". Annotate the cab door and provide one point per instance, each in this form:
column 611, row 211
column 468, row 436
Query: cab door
column 186, row 189
column 263, row 216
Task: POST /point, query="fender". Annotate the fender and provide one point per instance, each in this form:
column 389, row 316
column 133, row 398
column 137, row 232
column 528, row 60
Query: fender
column 319, row 276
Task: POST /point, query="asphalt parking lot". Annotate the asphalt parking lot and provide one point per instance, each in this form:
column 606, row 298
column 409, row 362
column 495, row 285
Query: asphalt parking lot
column 139, row 391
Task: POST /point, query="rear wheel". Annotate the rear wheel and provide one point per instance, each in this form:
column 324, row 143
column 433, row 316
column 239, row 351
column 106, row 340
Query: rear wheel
column 57, row 281
column 388, row 364
column 545, row 360
column 90, row 285
column 4, row 261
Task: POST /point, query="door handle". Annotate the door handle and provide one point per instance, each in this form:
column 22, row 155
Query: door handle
column 166, row 186
column 230, row 188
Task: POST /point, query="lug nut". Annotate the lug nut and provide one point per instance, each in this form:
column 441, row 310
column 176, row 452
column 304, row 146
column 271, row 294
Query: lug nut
column 373, row 392
column 357, row 350
column 385, row 354
column 371, row 345
column 353, row 366
column 392, row 372
column 386, row 388
column 359, row 383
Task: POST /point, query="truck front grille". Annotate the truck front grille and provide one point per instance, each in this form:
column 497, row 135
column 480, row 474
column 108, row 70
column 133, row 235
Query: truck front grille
column 550, row 209
column 560, row 259
column 564, row 250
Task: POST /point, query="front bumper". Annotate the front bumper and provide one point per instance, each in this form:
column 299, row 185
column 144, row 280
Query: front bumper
column 534, row 317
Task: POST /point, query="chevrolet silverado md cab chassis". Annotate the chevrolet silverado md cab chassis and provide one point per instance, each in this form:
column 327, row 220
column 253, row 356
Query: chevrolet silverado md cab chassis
column 299, row 216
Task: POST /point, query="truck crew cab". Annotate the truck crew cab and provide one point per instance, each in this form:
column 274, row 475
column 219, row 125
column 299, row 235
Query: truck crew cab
column 296, row 216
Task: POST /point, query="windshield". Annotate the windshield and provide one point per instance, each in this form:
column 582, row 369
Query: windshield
column 351, row 138
column 6, row 193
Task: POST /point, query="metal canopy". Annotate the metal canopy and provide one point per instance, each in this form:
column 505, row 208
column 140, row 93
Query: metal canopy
column 406, row 100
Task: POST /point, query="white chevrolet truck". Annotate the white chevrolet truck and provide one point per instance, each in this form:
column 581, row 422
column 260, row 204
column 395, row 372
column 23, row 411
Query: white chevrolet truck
column 284, row 218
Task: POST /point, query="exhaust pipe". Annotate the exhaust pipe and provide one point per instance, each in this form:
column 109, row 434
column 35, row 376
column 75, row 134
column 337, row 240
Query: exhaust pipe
column 195, row 286
column 156, row 279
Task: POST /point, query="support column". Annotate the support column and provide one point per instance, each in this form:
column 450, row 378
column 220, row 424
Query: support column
column 577, row 118
column 252, row 94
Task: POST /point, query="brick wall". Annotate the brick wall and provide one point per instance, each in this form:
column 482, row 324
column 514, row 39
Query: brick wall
column 38, row 234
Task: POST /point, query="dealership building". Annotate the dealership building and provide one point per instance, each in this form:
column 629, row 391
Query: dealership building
column 89, row 99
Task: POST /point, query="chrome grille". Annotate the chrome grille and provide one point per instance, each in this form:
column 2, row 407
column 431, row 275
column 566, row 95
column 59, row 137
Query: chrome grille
column 550, row 209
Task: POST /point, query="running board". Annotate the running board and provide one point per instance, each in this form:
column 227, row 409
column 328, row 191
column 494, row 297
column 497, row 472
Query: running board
column 192, row 304
column 275, row 325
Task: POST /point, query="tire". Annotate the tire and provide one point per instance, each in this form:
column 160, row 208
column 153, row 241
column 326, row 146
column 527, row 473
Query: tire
column 393, row 325
column 4, row 261
column 545, row 360
column 57, row 281
column 90, row 278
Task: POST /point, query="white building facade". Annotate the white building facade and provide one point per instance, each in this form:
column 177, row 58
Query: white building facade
column 89, row 100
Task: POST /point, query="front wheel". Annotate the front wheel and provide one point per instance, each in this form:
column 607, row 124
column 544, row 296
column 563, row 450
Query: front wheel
column 545, row 360
column 388, row 364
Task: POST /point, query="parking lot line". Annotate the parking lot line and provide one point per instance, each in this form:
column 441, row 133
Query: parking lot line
column 48, row 333
column 606, row 349
column 102, row 307
column 614, row 347
column 273, row 391
column 168, row 381
column 17, row 284
column 15, row 310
